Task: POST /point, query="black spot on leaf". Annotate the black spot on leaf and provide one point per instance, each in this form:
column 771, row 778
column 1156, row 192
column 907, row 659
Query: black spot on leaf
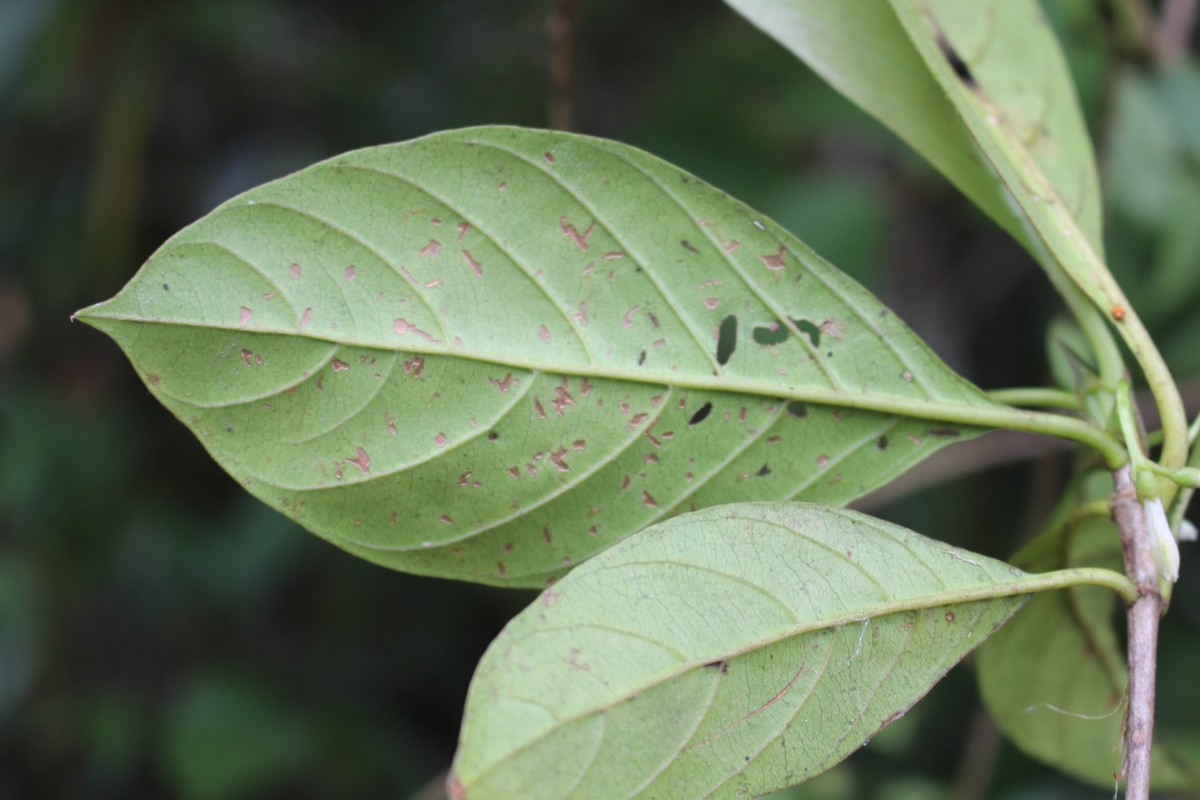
column 813, row 331
column 493, row 436
column 961, row 70
column 701, row 414
column 726, row 339
column 797, row 409
column 774, row 333
column 882, row 444
column 763, row 471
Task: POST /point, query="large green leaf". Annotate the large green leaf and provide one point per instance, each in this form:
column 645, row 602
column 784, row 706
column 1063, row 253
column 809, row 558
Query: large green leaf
column 1054, row 678
column 491, row 353
column 1000, row 65
column 722, row 654
column 1003, row 47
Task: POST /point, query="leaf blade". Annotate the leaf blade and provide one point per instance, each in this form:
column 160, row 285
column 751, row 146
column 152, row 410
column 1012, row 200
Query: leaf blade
column 696, row 644
column 480, row 355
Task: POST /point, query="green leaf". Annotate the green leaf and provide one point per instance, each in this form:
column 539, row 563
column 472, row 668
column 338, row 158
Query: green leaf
column 1001, row 67
column 1054, row 678
column 722, row 654
column 492, row 353
column 864, row 51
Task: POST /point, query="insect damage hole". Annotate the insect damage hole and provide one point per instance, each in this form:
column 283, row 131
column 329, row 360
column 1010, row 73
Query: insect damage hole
column 961, row 70
column 726, row 339
column 771, row 333
column 701, row 414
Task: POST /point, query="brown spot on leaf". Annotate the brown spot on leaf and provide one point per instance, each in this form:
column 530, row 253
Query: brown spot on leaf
column 361, row 460
column 244, row 316
column 562, row 398
column 475, row 266
column 581, row 316
column 440, row 440
column 432, row 249
column 572, row 233
column 339, row 365
column 774, row 261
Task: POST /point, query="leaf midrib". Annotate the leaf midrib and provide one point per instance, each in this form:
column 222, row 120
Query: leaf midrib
column 984, row 412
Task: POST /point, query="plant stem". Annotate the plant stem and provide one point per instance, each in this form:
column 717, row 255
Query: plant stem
column 1174, row 30
column 1036, row 396
column 1142, row 616
column 561, row 24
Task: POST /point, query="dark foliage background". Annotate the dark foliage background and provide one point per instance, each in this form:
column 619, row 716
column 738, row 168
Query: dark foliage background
column 164, row 635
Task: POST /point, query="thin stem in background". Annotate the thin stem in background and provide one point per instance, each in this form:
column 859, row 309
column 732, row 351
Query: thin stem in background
column 564, row 19
column 978, row 762
column 1174, row 30
column 1135, row 26
column 1143, row 615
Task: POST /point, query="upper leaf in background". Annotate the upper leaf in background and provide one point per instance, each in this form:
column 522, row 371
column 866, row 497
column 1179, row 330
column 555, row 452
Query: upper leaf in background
column 491, row 353
column 864, row 51
column 982, row 90
column 1054, row 678
column 722, row 654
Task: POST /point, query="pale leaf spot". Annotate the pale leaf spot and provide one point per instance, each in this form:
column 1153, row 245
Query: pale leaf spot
column 475, row 266
column 774, row 261
column 361, row 460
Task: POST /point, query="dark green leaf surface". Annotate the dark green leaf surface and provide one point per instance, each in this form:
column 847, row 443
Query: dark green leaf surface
column 1054, row 678
column 722, row 654
column 491, row 353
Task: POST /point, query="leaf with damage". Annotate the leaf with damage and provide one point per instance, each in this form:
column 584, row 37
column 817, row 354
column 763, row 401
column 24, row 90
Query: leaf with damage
column 485, row 354
column 723, row 654
column 981, row 90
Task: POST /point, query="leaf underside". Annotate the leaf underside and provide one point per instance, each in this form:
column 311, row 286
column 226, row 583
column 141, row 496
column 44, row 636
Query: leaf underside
column 491, row 353
column 725, row 653
column 980, row 89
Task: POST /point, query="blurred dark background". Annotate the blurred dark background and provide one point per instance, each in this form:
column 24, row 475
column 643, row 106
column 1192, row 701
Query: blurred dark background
column 162, row 634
